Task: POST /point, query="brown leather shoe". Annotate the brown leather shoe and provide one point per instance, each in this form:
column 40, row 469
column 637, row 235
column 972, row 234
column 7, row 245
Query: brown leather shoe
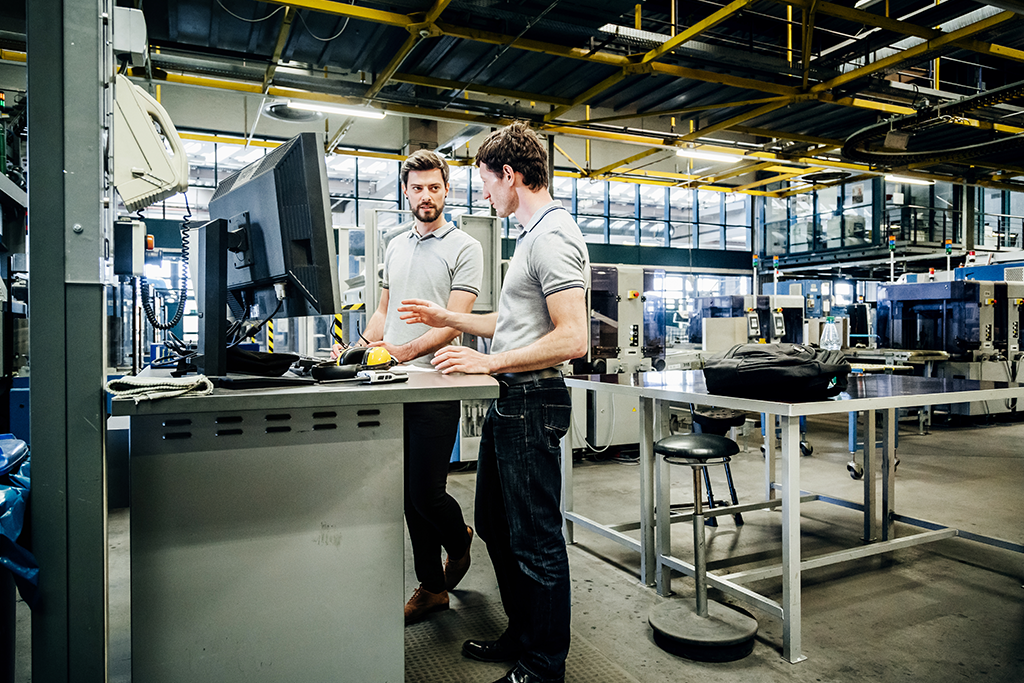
column 455, row 569
column 423, row 602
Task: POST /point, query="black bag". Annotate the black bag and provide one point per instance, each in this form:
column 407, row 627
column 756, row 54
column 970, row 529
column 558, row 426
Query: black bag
column 778, row 372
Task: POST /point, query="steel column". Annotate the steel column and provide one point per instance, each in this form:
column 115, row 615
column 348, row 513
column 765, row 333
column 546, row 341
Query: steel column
column 69, row 77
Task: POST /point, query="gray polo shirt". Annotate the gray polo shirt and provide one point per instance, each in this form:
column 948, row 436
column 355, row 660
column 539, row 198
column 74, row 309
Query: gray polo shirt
column 550, row 256
column 429, row 267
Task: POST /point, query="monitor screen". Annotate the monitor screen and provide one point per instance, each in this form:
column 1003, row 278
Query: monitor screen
column 279, row 222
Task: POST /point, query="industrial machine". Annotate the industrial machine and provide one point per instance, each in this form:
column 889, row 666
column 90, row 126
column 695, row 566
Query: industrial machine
column 627, row 335
column 773, row 318
column 978, row 323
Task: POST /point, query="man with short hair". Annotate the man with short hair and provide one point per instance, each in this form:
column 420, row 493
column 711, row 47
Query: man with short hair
column 438, row 262
column 541, row 322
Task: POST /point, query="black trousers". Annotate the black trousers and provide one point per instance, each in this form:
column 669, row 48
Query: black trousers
column 434, row 518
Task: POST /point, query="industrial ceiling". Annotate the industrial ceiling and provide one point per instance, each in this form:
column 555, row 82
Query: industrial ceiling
column 784, row 83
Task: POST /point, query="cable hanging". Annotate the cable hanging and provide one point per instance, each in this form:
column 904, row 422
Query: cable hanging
column 147, row 304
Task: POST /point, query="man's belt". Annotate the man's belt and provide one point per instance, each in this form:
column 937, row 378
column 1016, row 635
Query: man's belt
column 513, row 378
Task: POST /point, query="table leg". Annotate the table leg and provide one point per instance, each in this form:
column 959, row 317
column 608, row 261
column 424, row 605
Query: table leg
column 889, row 426
column 663, row 526
column 870, row 477
column 567, row 526
column 791, row 540
column 650, row 411
column 768, row 421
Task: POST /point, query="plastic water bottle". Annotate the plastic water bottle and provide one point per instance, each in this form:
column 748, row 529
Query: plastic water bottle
column 830, row 335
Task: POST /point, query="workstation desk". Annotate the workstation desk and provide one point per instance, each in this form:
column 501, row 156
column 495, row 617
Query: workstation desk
column 867, row 394
column 267, row 532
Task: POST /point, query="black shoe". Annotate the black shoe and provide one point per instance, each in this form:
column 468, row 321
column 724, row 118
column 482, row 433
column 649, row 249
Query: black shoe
column 521, row 675
column 491, row 650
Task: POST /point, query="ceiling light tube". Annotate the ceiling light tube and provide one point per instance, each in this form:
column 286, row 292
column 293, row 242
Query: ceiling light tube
column 363, row 112
column 693, row 153
column 908, row 181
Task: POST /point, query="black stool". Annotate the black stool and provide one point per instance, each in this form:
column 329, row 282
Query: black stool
column 719, row 421
column 712, row 632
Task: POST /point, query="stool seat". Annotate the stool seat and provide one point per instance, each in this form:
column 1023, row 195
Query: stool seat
column 696, row 448
column 718, row 420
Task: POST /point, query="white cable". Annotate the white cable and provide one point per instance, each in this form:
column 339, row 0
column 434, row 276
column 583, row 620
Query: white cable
column 250, row 21
column 326, row 40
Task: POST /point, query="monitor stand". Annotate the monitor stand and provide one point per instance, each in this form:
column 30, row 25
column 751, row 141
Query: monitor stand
column 211, row 298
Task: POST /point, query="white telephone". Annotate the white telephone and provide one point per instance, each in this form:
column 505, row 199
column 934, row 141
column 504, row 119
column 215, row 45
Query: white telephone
column 145, row 171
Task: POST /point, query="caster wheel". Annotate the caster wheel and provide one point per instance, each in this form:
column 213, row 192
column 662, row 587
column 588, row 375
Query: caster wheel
column 806, row 449
column 855, row 469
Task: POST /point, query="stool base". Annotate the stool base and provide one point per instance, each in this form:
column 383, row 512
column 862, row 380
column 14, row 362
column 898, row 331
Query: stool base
column 724, row 635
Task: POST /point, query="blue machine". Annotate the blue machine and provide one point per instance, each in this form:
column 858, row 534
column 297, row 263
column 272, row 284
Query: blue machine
column 968, row 319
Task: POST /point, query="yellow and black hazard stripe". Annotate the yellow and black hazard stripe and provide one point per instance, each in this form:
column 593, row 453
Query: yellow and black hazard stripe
column 353, row 307
column 270, row 336
column 337, row 330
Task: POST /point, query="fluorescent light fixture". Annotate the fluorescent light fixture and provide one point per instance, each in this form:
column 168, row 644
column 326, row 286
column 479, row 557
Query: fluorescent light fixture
column 363, row 112
column 693, row 153
column 908, row 181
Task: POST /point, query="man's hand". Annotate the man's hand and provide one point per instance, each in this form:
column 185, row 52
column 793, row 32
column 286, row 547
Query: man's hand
column 423, row 311
column 461, row 359
column 396, row 352
column 336, row 351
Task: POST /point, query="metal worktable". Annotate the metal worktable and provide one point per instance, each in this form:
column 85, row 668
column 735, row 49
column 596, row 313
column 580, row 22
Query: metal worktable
column 267, row 534
column 866, row 393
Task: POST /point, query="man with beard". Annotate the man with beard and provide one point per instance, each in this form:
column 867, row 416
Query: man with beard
column 438, row 262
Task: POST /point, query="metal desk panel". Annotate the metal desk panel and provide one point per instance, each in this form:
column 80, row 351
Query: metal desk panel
column 267, row 532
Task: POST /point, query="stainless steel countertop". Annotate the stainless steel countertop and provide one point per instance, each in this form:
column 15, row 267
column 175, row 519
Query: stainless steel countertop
column 421, row 386
column 865, row 392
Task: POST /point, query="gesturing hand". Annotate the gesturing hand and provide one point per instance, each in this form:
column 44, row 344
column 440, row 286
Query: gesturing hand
column 423, row 311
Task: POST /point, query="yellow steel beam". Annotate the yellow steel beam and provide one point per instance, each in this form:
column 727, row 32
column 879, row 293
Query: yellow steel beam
column 229, row 139
column 434, row 12
column 532, row 45
column 417, row 32
column 587, row 94
column 723, row 79
column 628, row 160
column 916, row 51
column 571, row 160
column 776, row 179
column 684, row 110
column 695, row 30
column 739, row 118
column 352, row 11
column 282, row 38
column 736, row 172
column 782, row 135
column 903, row 27
column 411, row 41
column 13, row 56
column 444, row 84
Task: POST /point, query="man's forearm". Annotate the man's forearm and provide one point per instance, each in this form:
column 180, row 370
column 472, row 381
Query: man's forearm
column 429, row 342
column 374, row 328
column 472, row 323
column 552, row 349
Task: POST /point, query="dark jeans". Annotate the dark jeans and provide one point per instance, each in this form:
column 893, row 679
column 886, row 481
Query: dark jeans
column 434, row 517
column 519, row 516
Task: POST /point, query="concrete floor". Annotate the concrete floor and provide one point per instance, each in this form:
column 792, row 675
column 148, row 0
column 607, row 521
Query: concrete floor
column 946, row 611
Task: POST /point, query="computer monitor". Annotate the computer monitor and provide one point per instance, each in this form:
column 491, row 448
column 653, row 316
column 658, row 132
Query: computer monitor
column 280, row 232
column 269, row 248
